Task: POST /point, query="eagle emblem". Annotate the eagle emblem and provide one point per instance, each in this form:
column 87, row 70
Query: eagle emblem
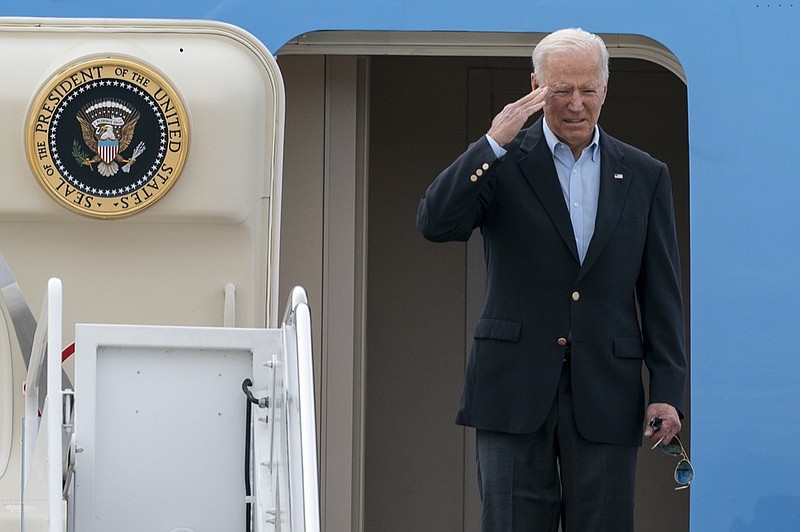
column 107, row 127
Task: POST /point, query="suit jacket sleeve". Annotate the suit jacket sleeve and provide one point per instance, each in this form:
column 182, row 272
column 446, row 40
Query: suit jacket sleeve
column 660, row 302
column 456, row 201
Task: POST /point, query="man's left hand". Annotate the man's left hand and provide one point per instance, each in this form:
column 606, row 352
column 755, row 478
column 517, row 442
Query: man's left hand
column 670, row 423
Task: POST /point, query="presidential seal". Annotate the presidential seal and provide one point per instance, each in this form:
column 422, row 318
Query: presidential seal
column 107, row 137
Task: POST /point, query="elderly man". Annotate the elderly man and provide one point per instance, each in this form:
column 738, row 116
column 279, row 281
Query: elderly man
column 583, row 287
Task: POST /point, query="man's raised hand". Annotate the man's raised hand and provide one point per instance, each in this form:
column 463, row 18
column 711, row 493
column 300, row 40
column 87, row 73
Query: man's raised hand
column 510, row 120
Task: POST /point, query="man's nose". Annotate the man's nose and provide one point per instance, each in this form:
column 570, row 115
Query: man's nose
column 575, row 99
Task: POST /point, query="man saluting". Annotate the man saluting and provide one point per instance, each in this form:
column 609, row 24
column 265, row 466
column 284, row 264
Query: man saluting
column 583, row 287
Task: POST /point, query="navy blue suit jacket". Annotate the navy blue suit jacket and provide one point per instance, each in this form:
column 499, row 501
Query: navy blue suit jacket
column 620, row 309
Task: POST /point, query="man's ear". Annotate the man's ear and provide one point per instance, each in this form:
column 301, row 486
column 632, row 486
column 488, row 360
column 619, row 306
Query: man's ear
column 534, row 83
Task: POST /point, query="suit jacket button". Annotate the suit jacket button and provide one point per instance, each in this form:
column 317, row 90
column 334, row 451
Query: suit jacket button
column 479, row 172
column 473, row 178
column 576, row 295
column 485, row 166
column 562, row 341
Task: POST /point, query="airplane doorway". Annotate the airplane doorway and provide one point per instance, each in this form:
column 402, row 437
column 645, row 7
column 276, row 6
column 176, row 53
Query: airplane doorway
column 423, row 299
column 411, row 467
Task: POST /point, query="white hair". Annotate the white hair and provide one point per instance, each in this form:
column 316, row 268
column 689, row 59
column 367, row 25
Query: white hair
column 569, row 40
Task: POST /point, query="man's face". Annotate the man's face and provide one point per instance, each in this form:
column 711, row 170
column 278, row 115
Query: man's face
column 576, row 95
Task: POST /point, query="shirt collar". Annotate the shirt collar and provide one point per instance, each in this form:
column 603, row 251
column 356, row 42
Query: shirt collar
column 552, row 140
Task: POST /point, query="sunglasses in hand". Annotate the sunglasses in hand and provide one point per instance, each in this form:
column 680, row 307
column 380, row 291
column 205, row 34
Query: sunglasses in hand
column 684, row 472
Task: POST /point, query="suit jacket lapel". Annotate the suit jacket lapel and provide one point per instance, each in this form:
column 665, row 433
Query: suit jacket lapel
column 540, row 172
column 615, row 179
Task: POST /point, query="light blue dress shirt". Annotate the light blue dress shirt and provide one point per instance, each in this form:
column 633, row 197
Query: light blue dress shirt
column 580, row 183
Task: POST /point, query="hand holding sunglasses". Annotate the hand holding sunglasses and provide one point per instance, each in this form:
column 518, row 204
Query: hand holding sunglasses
column 684, row 472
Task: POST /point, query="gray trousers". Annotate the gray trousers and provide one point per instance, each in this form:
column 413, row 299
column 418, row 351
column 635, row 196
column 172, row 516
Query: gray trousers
column 533, row 482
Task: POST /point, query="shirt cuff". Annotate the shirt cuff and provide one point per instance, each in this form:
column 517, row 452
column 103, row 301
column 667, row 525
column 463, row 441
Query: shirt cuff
column 496, row 148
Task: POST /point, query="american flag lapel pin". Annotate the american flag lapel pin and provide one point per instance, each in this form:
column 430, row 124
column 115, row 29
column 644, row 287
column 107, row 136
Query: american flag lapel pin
column 617, row 176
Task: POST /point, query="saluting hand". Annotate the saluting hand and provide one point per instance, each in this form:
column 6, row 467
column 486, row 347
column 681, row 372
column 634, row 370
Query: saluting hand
column 510, row 120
